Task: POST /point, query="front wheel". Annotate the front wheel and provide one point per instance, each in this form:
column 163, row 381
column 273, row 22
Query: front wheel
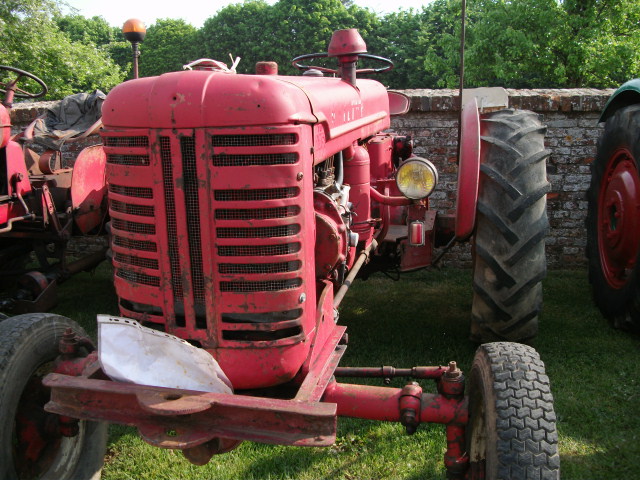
column 511, row 433
column 508, row 250
column 31, row 445
column 613, row 220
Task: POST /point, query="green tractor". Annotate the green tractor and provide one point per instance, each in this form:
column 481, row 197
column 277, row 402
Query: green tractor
column 613, row 219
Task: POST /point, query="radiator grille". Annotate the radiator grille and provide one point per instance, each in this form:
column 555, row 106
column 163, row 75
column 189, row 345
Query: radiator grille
column 130, row 209
column 131, row 160
column 224, row 160
column 267, row 286
column 258, row 250
column 256, row 195
column 190, row 178
column 170, row 211
column 138, row 192
column 258, row 268
column 136, row 141
column 150, row 263
column 262, row 140
column 133, row 227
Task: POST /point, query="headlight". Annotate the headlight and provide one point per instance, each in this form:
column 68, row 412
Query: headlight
column 416, row 178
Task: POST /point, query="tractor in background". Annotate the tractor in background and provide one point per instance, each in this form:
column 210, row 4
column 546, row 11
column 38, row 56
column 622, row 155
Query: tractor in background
column 242, row 209
column 613, row 218
column 45, row 201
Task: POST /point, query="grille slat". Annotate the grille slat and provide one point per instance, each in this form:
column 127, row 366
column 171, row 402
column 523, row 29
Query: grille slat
column 258, row 250
column 137, row 277
column 133, row 227
column 260, row 232
column 136, row 141
column 256, row 195
column 131, row 209
column 150, row 263
column 257, row 214
column 258, row 268
column 266, row 286
column 141, row 245
column 265, row 159
column 260, row 140
column 138, row 192
column 129, row 160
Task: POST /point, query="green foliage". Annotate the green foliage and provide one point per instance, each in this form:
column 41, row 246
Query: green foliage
column 30, row 39
column 169, row 45
column 280, row 32
column 517, row 44
column 95, row 30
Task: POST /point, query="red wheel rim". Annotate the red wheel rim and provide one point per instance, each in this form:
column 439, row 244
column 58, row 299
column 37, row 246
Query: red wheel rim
column 38, row 446
column 618, row 218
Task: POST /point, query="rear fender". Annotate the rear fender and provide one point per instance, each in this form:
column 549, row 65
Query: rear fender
column 88, row 188
column 627, row 94
column 468, row 170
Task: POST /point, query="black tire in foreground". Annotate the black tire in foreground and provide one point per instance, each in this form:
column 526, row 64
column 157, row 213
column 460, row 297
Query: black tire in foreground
column 508, row 250
column 613, row 220
column 511, row 433
column 31, row 446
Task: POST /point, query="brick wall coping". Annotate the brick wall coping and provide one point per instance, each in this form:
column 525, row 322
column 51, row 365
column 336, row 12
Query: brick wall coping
column 439, row 100
column 538, row 100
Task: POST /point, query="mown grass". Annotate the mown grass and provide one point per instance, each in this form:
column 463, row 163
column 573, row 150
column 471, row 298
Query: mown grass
column 422, row 320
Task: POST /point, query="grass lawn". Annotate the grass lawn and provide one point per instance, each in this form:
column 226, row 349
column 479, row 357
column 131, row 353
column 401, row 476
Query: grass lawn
column 422, row 320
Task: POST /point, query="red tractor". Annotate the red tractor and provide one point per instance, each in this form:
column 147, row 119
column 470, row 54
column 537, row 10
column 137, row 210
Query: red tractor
column 43, row 201
column 242, row 208
column 613, row 219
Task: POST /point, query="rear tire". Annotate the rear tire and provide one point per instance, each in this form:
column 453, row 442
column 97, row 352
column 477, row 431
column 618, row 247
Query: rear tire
column 30, row 445
column 509, row 260
column 511, row 434
column 613, row 221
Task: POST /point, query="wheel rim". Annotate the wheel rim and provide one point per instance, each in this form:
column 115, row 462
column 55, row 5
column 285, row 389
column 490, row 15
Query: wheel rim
column 477, row 441
column 38, row 446
column 618, row 224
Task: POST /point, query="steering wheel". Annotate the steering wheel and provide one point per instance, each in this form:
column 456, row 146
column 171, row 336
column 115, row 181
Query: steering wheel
column 10, row 90
column 388, row 63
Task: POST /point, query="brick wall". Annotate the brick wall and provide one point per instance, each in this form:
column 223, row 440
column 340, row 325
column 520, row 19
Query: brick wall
column 571, row 117
column 572, row 120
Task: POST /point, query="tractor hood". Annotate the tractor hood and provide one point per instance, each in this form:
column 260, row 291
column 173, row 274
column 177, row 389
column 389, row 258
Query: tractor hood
column 193, row 99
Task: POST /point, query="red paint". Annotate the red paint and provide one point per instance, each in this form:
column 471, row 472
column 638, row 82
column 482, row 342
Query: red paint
column 88, row 188
column 618, row 220
column 468, row 171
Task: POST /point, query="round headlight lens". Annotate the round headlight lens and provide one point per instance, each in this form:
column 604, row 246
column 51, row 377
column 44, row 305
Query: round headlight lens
column 416, row 178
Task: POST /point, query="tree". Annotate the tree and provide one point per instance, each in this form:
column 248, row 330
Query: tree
column 241, row 30
column 257, row 31
column 80, row 29
column 168, row 46
column 599, row 44
column 31, row 40
column 510, row 44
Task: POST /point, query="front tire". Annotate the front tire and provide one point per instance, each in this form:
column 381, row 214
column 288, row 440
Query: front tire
column 511, row 434
column 31, row 446
column 508, row 251
column 613, row 220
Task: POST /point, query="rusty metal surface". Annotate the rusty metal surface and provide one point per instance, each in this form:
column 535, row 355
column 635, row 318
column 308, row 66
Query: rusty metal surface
column 173, row 418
